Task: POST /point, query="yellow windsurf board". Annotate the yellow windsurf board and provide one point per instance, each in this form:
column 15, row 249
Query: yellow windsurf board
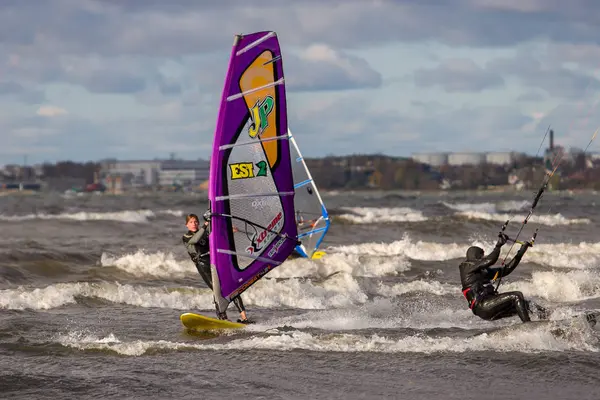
column 203, row 323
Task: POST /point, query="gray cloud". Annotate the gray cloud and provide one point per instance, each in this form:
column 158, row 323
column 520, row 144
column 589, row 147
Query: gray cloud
column 555, row 79
column 574, row 123
column 458, row 75
column 186, row 131
column 146, row 31
column 351, row 124
column 17, row 92
column 532, row 96
column 178, row 27
column 540, row 72
column 322, row 68
column 120, row 47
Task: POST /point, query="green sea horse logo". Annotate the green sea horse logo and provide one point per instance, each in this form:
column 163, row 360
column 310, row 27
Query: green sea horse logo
column 259, row 115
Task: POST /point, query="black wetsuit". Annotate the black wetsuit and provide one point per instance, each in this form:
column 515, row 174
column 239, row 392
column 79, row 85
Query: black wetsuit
column 196, row 244
column 476, row 275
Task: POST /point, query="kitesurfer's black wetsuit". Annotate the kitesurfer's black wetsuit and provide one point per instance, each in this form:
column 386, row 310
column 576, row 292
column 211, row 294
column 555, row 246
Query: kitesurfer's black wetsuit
column 476, row 275
column 196, row 244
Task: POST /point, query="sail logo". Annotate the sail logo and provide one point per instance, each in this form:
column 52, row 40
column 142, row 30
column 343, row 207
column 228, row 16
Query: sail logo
column 259, row 204
column 245, row 170
column 259, row 114
column 260, row 240
column 276, row 247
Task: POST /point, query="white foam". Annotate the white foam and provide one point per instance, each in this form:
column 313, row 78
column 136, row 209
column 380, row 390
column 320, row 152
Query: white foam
column 176, row 213
column 566, row 255
column 420, row 250
column 353, row 264
column 501, row 206
column 555, row 286
column 527, row 341
column 133, row 216
column 380, row 313
column 433, row 287
column 551, row 220
column 158, row 264
column 87, row 341
column 373, row 215
column 562, row 255
column 340, row 290
column 65, row 293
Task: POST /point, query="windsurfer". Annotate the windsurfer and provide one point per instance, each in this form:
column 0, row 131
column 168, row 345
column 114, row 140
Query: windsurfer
column 476, row 275
column 196, row 244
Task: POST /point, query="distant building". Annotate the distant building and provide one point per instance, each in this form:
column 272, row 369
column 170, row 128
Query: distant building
column 466, row 158
column 130, row 172
column 501, row 158
column 186, row 173
column 119, row 175
column 456, row 159
column 433, row 159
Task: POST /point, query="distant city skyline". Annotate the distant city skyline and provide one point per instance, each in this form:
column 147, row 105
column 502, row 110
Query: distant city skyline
column 97, row 79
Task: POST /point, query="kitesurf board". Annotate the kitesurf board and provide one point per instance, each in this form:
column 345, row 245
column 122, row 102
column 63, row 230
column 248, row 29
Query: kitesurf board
column 251, row 188
column 312, row 218
column 200, row 322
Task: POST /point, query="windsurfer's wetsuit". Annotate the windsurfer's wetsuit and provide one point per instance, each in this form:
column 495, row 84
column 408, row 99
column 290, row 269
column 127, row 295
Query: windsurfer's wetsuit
column 196, row 244
column 476, row 275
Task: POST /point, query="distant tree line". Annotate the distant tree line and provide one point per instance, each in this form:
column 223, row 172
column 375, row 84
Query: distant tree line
column 70, row 169
column 376, row 171
column 49, row 171
column 384, row 172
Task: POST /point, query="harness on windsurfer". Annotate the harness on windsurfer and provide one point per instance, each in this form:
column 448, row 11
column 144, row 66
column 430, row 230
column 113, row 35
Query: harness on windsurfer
column 477, row 275
column 196, row 244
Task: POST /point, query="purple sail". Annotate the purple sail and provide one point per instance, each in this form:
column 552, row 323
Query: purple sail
column 251, row 189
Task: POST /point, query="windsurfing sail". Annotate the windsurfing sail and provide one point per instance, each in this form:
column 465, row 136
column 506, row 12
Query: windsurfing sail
column 312, row 218
column 251, row 190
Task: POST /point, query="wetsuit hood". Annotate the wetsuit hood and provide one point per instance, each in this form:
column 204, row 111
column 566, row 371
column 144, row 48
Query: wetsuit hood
column 474, row 253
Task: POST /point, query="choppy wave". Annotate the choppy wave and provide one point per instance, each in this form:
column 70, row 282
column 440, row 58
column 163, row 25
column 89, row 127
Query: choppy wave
column 134, row 216
column 165, row 265
column 501, row 206
column 61, row 294
column 559, row 286
column 340, row 290
column 374, row 215
column 541, row 338
column 551, row 220
column 561, row 255
column 144, row 264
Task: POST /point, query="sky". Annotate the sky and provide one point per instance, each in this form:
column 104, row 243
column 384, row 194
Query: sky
column 84, row 80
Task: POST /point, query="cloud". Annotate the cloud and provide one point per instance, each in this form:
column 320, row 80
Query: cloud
column 186, row 27
column 573, row 123
column 156, row 69
column 538, row 71
column 337, row 126
column 458, row 75
column 319, row 67
column 533, row 96
column 51, row 111
column 17, row 92
column 555, row 79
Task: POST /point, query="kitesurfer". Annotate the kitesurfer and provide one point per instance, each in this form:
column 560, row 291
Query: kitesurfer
column 196, row 244
column 476, row 276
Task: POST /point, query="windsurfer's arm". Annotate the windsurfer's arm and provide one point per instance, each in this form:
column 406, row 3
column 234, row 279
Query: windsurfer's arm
column 491, row 258
column 510, row 267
